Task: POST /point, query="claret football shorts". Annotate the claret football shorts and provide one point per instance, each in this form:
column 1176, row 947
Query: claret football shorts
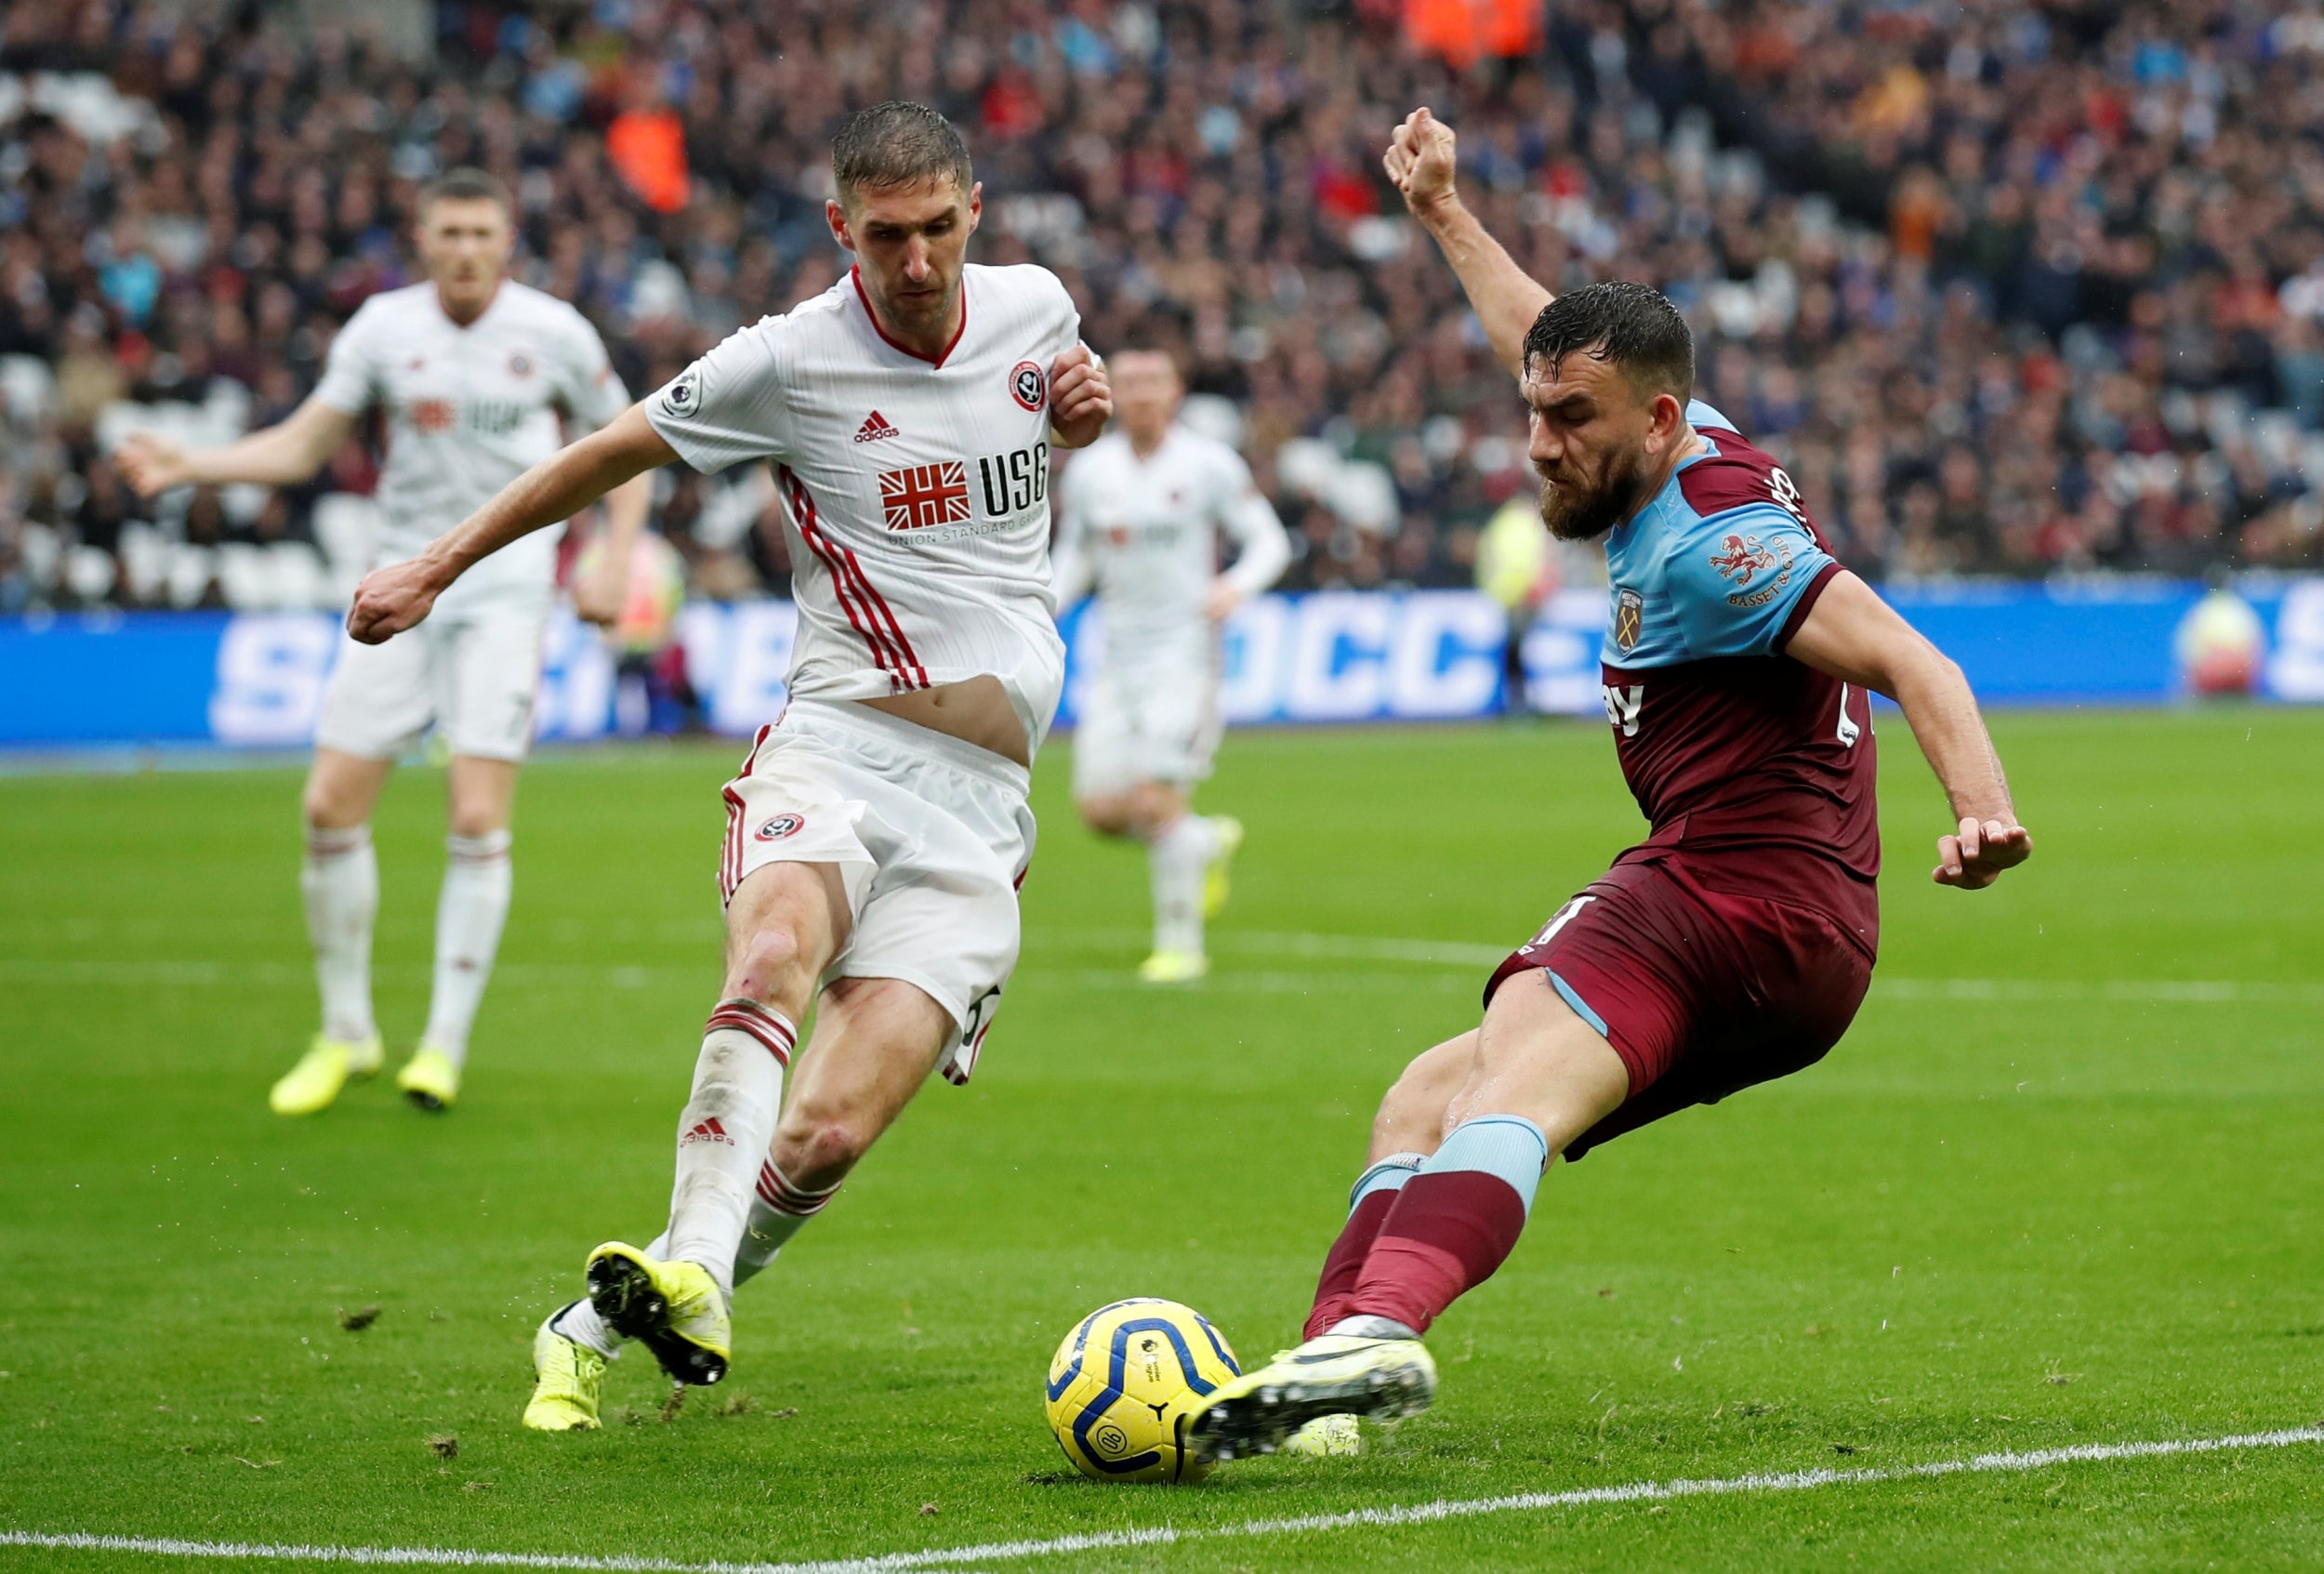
column 1701, row 992
column 931, row 837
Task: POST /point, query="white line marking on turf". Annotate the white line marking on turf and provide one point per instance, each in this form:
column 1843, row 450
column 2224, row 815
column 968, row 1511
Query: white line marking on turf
column 1166, row 1535
column 1463, row 959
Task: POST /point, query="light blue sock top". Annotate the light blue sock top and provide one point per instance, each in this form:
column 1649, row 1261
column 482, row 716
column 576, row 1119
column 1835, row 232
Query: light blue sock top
column 1507, row 1146
column 1389, row 1174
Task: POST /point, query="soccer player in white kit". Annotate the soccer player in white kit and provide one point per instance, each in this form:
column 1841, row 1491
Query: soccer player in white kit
column 877, row 831
column 475, row 375
column 1138, row 516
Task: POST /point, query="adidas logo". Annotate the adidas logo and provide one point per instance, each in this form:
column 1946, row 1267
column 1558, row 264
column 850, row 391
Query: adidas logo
column 707, row 1131
column 875, row 427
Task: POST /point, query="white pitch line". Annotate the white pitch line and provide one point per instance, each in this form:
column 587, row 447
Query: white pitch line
column 1462, row 961
column 1105, row 1540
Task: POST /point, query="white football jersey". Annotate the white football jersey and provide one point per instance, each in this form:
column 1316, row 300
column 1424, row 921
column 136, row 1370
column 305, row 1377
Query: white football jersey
column 915, row 490
column 469, row 410
column 1146, row 533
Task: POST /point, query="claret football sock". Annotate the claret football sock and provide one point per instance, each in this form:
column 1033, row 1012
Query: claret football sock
column 1177, row 860
column 1454, row 1222
column 776, row 1213
column 469, row 914
column 1369, row 1201
column 724, row 1135
column 340, row 879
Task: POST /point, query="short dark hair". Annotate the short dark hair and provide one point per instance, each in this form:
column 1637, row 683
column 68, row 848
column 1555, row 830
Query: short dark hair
column 1634, row 327
column 468, row 184
column 898, row 143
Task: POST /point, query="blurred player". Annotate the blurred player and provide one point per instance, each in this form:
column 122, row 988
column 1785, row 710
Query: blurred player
column 1735, row 943
column 878, row 831
column 1139, row 514
column 1514, row 566
column 472, row 372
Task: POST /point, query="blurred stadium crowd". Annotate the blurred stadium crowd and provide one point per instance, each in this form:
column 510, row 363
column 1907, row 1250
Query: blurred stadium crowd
column 2011, row 287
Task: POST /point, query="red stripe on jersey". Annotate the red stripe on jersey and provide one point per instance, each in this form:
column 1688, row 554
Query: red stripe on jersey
column 863, row 581
column 803, row 514
column 856, row 274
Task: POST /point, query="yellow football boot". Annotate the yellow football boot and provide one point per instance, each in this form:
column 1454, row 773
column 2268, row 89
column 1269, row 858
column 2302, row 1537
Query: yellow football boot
column 328, row 1065
column 1215, row 885
column 429, row 1080
column 566, row 1379
column 1326, row 1437
column 1174, row 967
column 1337, row 1374
column 674, row 1309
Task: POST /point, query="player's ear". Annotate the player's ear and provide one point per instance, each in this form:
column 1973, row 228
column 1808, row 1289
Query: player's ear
column 976, row 204
column 1668, row 419
column 835, row 215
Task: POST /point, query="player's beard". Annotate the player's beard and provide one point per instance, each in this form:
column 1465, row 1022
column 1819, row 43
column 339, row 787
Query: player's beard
column 1576, row 513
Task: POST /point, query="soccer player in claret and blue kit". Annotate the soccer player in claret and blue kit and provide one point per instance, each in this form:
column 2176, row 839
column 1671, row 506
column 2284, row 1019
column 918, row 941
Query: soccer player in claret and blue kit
column 1734, row 945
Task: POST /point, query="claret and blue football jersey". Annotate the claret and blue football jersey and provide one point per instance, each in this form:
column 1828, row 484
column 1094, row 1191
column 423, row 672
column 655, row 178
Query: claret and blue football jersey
column 1728, row 744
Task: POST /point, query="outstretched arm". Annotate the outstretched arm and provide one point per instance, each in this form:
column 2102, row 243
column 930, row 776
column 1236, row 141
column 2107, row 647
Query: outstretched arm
column 392, row 599
column 282, row 454
column 1420, row 161
column 1856, row 637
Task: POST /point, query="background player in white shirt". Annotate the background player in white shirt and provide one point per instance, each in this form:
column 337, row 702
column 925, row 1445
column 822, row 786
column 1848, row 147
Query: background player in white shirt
column 1138, row 516
column 472, row 373
column 877, row 832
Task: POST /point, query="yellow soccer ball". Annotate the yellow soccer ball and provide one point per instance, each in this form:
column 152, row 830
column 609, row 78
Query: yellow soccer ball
column 1123, row 1384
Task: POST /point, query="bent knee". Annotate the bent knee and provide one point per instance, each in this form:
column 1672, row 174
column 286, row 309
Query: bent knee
column 1108, row 817
column 474, row 821
column 1417, row 1101
column 767, row 968
column 323, row 809
column 817, row 1150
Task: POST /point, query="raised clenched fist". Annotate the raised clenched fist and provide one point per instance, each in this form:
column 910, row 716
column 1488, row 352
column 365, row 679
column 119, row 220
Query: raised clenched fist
column 1420, row 161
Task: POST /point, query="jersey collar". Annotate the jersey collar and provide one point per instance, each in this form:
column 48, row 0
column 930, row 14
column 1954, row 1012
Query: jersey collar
column 855, row 276
column 435, row 298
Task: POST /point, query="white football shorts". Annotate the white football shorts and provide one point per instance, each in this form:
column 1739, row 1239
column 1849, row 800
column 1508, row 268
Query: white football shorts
column 932, row 836
column 474, row 675
column 1148, row 722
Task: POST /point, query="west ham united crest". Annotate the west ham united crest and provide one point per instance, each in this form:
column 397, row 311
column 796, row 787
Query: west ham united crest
column 1630, row 609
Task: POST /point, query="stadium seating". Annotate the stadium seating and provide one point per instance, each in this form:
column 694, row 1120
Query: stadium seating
column 2011, row 289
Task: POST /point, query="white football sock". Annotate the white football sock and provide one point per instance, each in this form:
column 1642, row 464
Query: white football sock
column 725, row 1132
column 1177, row 860
column 339, row 878
column 469, row 915
column 777, row 1214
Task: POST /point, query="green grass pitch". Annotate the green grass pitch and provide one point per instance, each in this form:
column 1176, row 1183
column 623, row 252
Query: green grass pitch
column 2041, row 1196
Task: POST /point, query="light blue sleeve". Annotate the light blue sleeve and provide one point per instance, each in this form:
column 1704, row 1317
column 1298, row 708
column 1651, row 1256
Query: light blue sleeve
column 1736, row 578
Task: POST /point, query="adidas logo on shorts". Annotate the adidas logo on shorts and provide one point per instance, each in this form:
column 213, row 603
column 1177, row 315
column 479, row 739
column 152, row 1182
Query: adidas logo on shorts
column 875, row 427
